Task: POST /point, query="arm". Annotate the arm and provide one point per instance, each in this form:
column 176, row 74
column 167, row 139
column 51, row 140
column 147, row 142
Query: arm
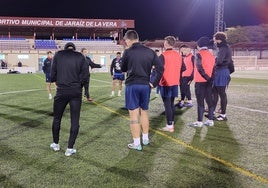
column 92, row 64
column 192, row 74
column 54, row 69
column 84, row 72
column 112, row 68
column 183, row 67
column 124, row 66
column 159, row 69
column 44, row 67
column 222, row 57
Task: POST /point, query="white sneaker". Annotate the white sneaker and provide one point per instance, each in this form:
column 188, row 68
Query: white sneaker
column 55, row 147
column 145, row 142
column 70, row 152
column 196, row 124
column 133, row 146
column 49, row 96
column 209, row 123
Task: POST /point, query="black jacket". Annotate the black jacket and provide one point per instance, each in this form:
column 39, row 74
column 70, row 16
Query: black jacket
column 224, row 56
column 69, row 69
column 138, row 61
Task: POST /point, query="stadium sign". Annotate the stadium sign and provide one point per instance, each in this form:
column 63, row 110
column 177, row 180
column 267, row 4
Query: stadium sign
column 65, row 22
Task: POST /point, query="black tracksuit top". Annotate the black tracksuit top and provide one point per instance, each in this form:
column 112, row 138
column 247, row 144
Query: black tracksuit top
column 69, row 69
column 137, row 61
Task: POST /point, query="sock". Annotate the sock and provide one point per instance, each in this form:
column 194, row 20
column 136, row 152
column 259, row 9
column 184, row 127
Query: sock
column 137, row 141
column 145, row 136
column 223, row 115
column 119, row 92
column 112, row 92
column 190, row 101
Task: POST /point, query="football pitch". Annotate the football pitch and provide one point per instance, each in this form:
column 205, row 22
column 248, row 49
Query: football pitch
column 230, row 154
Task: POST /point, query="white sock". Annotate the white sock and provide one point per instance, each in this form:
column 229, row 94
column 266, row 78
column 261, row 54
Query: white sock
column 223, row 115
column 112, row 92
column 145, row 136
column 137, row 141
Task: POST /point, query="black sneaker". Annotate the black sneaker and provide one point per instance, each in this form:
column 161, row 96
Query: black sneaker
column 214, row 118
column 221, row 118
column 179, row 105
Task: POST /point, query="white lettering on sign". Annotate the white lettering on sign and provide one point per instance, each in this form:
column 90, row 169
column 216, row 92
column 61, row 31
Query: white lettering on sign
column 90, row 24
column 105, row 24
column 97, row 24
column 59, row 23
column 75, row 23
column 109, row 24
column 9, row 22
column 37, row 22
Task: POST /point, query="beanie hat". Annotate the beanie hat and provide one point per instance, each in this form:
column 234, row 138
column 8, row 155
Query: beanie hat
column 69, row 45
column 203, row 41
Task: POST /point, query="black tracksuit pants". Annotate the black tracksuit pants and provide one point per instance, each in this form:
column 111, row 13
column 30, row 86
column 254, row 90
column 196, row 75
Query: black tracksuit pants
column 203, row 91
column 220, row 91
column 73, row 97
column 185, row 88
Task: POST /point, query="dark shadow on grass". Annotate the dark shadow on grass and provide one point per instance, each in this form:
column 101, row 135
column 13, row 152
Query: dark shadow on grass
column 34, row 110
column 22, row 121
column 104, row 125
column 102, row 100
column 135, row 165
column 207, row 172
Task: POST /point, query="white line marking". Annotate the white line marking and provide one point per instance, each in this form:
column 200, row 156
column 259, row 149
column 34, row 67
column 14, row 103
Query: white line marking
column 249, row 109
column 21, row 91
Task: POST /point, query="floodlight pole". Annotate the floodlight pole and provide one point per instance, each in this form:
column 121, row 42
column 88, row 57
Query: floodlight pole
column 219, row 11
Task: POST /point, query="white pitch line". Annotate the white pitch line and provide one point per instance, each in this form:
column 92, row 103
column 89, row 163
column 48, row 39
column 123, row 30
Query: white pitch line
column 249, row 109
column 21, row 91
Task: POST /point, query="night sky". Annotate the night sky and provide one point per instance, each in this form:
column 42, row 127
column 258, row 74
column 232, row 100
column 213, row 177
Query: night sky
column 186, row 19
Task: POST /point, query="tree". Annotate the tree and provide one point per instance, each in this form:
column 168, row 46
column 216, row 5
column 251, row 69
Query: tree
column 241, row 34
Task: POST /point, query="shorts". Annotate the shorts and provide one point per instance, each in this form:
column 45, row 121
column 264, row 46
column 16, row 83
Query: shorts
column 169, row 91
column 48, row 77
column 137, row 96
column 119, row 76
